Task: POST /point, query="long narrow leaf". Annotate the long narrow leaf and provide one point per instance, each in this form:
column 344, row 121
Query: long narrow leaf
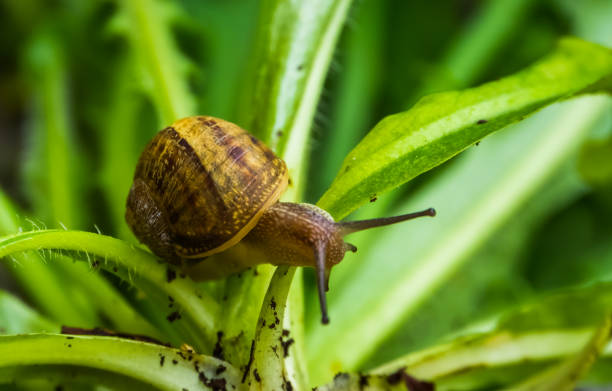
column 163, row 68
column 295, row 45
column 548, row 329
column 476, row 45
column 54, row 287
column 99, row 294
column 18, row 318
column 565, row 376
column 157, row 365
column 119, row 146
column 190, row 308
column 56, row 377
column 52, row 177
column 439, row 126
column 400, row 278
column 31, row 273
column 358, row 87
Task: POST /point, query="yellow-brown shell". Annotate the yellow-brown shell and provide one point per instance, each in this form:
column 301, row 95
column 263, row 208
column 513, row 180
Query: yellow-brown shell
column 200, row 186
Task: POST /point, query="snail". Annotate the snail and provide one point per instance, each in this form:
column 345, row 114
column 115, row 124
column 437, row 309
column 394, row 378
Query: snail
column 204, row 186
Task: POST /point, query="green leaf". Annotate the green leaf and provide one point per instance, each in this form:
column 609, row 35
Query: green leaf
column 70, row 293
column 225, row 38
column 546, row 329
column 571, row 308
column 67, row 377
column 590, row 19
column 18, row 318
column 439, row 126
column 162, row 367
column 295, row 44
column 242, row 297
column 57, row 188
column 42, row 284
column 191, row 310
column 161, row 66
column 491, row 276
column 595, row 162
column 95, row 292
column 406, row 265
column 443, row 363
column 355, row 90
column 476, row 45
column 565, row 376
column 52, row 176
column 56, row 185
column 120, row 143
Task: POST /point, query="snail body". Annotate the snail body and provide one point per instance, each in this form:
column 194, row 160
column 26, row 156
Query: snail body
column 204, row 186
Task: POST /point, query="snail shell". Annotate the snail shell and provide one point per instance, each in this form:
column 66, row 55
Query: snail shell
column 200, row 186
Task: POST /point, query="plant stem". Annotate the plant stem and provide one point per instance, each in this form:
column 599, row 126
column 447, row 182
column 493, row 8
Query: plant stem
column 268, row 371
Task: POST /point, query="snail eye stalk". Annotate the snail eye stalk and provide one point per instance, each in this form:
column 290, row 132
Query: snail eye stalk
column 349, row 227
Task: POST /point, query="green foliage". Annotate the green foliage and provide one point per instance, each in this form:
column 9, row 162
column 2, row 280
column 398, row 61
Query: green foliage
column 159, row 366
column 410, row 280
column 568, row 328
column 595, row 163
column 183, row 297
column 293, row 55
column 529, row 210
column 161, row 67
column 16, row 317
column 439, row 126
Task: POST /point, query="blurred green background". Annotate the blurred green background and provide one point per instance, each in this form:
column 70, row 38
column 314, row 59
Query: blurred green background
column 85, row 84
